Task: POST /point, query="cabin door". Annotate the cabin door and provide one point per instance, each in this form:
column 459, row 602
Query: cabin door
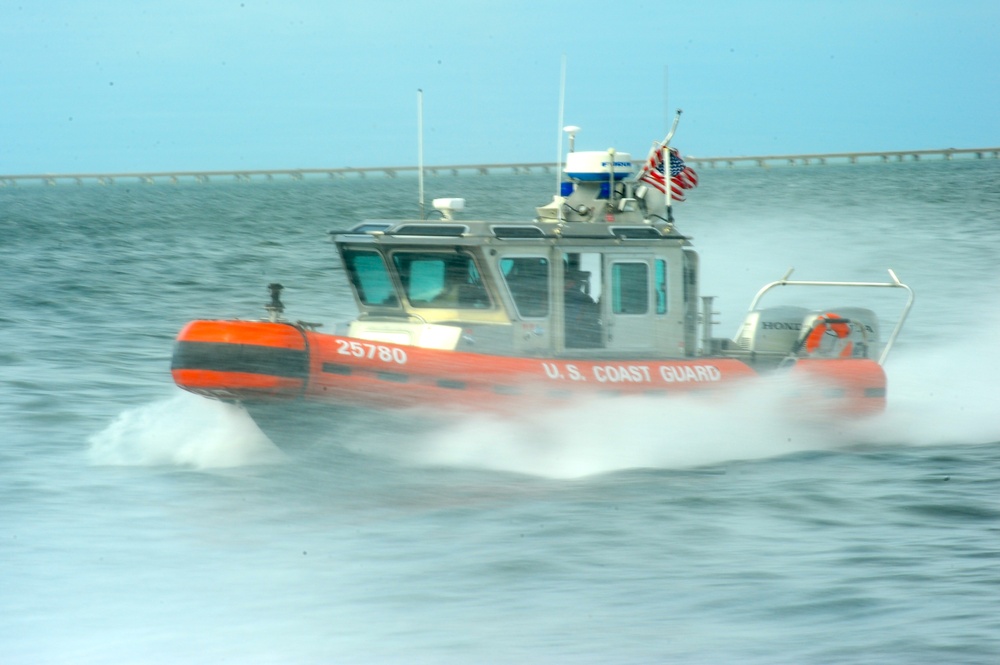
column 632, row 300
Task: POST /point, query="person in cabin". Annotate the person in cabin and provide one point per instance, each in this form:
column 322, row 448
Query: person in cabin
column 581, row 313
column 460, row 288
column 528, row 281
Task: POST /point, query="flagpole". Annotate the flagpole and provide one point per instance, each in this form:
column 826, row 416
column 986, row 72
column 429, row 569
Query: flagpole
column 665, row 160
column 665, row 155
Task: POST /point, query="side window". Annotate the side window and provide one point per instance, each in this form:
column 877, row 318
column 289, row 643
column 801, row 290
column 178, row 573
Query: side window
column 527, row 279
column 437, row 280
column 369, row 278
column 629, row 288
column 661, row 286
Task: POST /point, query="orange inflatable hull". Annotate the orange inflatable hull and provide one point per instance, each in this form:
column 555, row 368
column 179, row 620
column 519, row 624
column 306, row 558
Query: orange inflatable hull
column 250, row 361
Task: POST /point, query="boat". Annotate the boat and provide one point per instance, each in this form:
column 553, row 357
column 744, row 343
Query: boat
column 595, row 295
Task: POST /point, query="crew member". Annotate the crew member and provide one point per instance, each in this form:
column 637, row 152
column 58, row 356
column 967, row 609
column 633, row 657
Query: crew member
column 581, row 313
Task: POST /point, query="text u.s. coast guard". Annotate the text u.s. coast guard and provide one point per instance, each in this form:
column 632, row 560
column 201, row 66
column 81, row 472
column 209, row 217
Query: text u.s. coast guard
column 629, row 373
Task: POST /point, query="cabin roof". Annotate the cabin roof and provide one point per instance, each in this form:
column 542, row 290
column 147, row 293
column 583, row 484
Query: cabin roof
column 450, row 231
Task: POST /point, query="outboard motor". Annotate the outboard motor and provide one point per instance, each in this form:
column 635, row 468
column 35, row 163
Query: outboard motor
column 774, row 330
column 835, row 332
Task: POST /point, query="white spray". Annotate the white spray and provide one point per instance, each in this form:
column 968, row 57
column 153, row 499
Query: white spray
column 185, row 430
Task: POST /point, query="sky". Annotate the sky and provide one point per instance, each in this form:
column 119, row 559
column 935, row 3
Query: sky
column 102, row 86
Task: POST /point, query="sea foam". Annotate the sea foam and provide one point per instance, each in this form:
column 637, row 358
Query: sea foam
column 184, row 430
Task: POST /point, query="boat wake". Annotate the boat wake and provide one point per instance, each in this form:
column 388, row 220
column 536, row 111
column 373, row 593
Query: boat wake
column 947, row 398
column 185, row 430
column 601, row 436
column 940, row 397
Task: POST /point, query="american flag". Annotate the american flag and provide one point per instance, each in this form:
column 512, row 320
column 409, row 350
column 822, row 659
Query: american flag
column 682, row 176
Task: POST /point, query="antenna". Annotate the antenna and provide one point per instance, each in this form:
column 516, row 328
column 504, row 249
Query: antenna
column 559, row 153
column 666, row 95
column 673, row 127
column 420, row 150
column 571, row 131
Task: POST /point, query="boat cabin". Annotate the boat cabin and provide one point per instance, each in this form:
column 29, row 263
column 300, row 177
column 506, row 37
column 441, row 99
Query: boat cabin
column 593, row 274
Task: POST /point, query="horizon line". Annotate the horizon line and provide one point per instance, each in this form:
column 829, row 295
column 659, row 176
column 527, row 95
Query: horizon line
column 392, row 171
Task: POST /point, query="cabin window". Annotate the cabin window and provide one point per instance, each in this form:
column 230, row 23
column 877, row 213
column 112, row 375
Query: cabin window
column 630, row 288
column 438, row 280
column 581, row 297
column 661, row 286
column 370, row 278
column 527, row 279
column 590, row 267
column 690, row 278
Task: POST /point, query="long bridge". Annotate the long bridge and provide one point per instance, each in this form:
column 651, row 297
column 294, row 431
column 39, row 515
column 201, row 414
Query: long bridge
column 244, row 175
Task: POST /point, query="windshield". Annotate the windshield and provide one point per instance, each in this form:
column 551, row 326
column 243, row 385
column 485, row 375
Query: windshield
column 441, row 280
column 370, row 278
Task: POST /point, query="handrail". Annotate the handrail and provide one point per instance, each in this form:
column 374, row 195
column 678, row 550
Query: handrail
column 894, row 284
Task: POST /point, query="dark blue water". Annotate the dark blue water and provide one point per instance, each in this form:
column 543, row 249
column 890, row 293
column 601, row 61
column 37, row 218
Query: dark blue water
column 142, row 524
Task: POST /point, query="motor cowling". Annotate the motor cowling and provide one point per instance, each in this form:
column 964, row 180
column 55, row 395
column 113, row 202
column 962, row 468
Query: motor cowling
column 772, row 330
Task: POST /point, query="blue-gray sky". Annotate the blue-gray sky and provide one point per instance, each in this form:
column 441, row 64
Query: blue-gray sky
column 117, row 85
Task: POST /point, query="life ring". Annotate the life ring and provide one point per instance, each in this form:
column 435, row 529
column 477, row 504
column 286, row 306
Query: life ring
column 829, row 324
